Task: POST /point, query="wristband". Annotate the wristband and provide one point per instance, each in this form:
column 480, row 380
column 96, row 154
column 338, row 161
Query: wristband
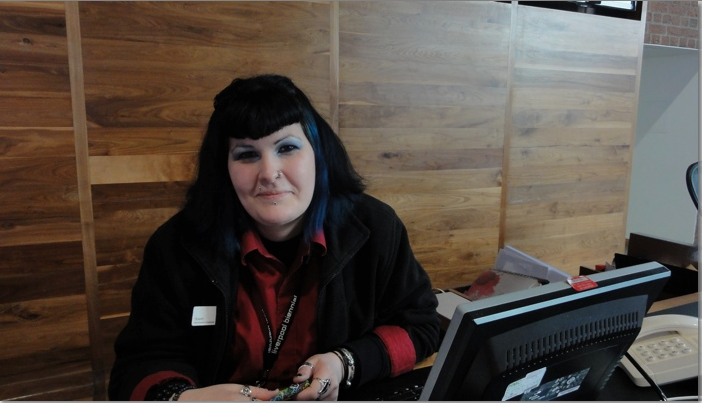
column 343, row 366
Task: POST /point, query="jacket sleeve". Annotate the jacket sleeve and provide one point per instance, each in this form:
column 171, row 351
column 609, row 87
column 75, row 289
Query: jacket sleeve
column 406, row 325
column 151, row 347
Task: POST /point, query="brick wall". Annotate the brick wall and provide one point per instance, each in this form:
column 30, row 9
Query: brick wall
column 672, row 23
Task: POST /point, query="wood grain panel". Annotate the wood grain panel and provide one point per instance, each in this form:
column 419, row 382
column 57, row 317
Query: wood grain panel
column 30, row 142
column 268, row 24
column 121, row 235
column 618, row 134
column 21, row 111
column 142, row 168
column 573, row 113
column 586, row 171
column 34, row 47
column 144, row 140
column 116, row 197
column 116, row 289
column 568, row 155
column 564, row 78
column 44, row 343
column 34, row 202
column 379, row 139
column 43, row 339
column 400, row 160
column 433, row 182
column 31, row 272
column 199, row 38
column 456, row 200
column 422, row 105
column 32, row 79
column 28, row 173
column 357, row 116
column 31, row 17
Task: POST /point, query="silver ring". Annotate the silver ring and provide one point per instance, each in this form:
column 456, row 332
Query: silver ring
column 306, row 364
column 246, row 391
column 325, row 385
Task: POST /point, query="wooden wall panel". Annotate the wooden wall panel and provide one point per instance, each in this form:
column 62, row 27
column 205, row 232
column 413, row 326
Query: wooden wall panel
column 573, row 116
column 423, row 89
column 43, row 326
column 481, row 123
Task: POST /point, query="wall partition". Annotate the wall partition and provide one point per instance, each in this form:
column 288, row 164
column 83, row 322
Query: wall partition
column 483, row 124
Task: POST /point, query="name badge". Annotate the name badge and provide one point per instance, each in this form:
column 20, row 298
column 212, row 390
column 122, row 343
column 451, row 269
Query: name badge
column 204, row 316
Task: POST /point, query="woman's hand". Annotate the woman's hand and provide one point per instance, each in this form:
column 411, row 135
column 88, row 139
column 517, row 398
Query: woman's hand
column 227, row 392
column 325, row 372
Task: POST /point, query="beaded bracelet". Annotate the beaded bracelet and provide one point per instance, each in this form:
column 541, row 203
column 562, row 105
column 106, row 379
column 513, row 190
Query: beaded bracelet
column 171, row 390
column 176, row 395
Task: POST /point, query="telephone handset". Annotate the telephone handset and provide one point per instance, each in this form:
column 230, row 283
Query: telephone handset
column 667, row 349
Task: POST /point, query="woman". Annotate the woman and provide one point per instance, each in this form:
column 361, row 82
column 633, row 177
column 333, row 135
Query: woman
column 279, row 270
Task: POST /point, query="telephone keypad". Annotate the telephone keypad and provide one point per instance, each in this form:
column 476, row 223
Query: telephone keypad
column 662, row 348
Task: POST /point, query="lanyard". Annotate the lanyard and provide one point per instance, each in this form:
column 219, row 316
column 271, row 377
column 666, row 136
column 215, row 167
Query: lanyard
column 271, row 353
column 273, row 346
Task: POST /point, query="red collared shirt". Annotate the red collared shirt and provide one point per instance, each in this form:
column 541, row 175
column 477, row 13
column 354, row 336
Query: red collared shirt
column 274, row 287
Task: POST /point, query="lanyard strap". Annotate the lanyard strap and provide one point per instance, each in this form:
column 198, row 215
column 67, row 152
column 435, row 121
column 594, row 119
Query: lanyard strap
column 273, row 349
column 273, row 346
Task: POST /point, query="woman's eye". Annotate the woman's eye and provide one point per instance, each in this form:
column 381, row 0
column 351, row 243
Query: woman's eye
column 244, row 156
column 287, row 148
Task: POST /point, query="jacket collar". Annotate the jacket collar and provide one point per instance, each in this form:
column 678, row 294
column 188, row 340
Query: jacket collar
column 342, row 243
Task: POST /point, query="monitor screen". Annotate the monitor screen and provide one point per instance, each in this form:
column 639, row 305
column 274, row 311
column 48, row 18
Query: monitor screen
column 559, row 341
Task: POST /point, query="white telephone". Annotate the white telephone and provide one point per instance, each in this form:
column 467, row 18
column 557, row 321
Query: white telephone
column 667, row 349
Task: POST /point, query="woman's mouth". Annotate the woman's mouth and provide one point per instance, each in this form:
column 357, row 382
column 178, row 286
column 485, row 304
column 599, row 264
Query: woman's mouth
column 271, row 196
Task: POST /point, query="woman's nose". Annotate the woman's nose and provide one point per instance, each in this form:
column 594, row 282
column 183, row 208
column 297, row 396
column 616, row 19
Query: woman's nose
column 270, row 170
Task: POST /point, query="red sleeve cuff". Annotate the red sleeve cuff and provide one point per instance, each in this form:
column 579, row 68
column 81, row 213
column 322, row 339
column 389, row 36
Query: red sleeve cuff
column 399, row 347
column 142, row 388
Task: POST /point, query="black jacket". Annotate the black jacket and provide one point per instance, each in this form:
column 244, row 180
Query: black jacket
column 368, row 277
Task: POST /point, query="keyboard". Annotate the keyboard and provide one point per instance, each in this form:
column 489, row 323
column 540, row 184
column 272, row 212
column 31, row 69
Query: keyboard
column 407, row 394
column 407, row 387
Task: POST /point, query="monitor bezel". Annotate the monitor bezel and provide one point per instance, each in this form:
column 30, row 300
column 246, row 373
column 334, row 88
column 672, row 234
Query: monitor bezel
column 646, row 278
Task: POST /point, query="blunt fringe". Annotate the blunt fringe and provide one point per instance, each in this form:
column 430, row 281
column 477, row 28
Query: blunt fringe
column 253, row 108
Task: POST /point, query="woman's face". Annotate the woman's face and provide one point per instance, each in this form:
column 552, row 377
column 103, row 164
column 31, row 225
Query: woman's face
column 274, row 178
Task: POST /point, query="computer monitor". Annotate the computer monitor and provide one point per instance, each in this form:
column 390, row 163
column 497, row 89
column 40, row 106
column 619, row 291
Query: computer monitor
column 551, row 342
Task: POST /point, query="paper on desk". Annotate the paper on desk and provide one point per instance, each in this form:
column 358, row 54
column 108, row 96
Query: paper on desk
column 515, row 261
